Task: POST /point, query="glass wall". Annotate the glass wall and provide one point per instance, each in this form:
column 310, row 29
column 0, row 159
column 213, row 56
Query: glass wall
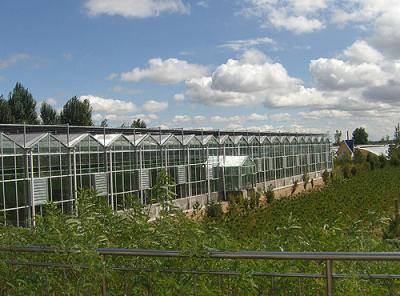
column 119, row 165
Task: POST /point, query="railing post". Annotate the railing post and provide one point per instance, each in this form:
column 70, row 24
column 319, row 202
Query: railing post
column 329, row 277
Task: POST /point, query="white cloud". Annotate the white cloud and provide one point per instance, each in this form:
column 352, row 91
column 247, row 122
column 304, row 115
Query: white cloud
column 251, row 80
column 297, row 24
column 155, row 106
column 180, row 119
column 244, row 44
column 13, row 59
column 298, row 16
column 179, row 97
column 386, row 36
column 135, row 8
column 51, row 101
column 318, row 114
column 100, row 104
column 170, row 71
column 361, row 52
column 334, row 74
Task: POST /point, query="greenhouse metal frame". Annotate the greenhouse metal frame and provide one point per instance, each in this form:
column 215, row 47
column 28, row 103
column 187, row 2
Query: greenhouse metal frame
column 41, row 164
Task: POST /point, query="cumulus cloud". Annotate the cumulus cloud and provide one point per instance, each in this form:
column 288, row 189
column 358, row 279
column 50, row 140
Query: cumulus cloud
column 292, row 15
column 13, row 59
column 135, row 8
column 318, row 114
column 252, row 80
column 334, row 74
column 361, row 52
column 155, row 106
column 100, row 104
column 170, row 71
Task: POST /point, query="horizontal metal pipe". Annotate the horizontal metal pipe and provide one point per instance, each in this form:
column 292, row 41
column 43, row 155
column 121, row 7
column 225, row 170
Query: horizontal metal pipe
column 207, row 272
column 252, row 255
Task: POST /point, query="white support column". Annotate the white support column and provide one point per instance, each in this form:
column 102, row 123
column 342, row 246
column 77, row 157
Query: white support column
column 111, row 181
column 189, row 176
column 75, row 185
column 33, row 210
column 140, row 175
column 208, row 176
column 223, row 173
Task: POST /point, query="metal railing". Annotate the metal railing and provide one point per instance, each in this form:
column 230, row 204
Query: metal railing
column 329, row 258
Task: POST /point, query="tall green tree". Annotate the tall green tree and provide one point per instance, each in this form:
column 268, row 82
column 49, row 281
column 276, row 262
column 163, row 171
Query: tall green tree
column 360, row 136
column 22, row 105
column 5, row 112
column 104, row 123
column 77, row 112
column 48, row 115
column 338, row 137
column 138, row 123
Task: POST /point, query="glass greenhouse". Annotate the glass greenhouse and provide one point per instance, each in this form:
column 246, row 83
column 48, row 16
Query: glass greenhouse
column 39, row 164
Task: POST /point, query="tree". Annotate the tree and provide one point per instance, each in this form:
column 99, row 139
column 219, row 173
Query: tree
column 338, row 137
column 397, row 134
column 104, row 123
column 77, row 112
column 5, row 112
column 138, row 123
column 360, row 136
column 48, row 115
column 22, row 105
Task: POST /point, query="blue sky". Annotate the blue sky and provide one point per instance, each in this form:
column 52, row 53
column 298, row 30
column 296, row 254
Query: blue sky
column 296, row 65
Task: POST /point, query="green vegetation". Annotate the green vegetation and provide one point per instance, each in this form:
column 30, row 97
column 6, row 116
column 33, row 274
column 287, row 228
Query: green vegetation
column 353, row 214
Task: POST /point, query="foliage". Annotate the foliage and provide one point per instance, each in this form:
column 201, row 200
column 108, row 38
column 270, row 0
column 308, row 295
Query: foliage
column 138, row 123
column 214, row 210
column 306, row 179
column 294, row 187
column 358, row 157
column 337, row 218
column 338, row 137
column 48, row 114
column 22, row 105
column 104, row 123
column 397, row 134
column 326, row 177
column 360, row 136
column 77, row 112
column 269, row 194
column 5, row 112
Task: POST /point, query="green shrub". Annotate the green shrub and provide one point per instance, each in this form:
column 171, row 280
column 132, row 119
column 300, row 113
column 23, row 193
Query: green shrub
column 346, row 172
column 214, row 210
column 326, row 176
column 354, row 171
column 269, row 194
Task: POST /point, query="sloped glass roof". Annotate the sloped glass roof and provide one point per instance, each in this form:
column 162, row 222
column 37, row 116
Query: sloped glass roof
column 230, row 161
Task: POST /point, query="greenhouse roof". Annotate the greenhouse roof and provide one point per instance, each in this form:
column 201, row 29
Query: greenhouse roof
column 71, row 140
column 229, row 161
column 108, row 139
column 189, row 139
column 28, row 140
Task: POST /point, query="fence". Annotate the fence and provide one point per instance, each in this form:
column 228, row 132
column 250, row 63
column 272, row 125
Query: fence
column 327, row 258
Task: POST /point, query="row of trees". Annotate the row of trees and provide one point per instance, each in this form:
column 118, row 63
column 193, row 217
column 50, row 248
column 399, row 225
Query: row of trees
column 360, row 136
column 21, row 108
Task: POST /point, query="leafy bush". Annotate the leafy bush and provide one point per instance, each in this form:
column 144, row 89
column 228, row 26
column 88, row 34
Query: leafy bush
column 326, row 177
column 269, row 194
column 214, row 210
column 354, row 171
column 305, row 179
column 346, row 172
column 294, row 187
